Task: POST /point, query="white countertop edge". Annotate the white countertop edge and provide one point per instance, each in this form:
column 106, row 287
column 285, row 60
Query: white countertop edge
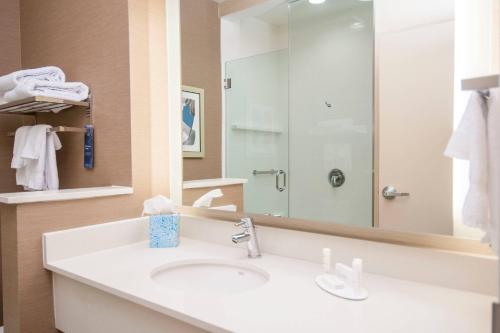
column 138, row 300
column 62, row 195
column 201, row 183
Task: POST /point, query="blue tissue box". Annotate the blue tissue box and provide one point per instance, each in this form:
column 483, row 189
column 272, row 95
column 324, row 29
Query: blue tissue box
column 164, row 231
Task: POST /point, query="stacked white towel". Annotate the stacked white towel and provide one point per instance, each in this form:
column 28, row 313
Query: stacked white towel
column 34, row 158
column 45, row 81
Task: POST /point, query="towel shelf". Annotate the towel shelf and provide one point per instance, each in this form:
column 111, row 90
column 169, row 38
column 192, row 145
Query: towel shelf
column 481, row 83
column 33, row 105
column 239, row 127
column 59, row 129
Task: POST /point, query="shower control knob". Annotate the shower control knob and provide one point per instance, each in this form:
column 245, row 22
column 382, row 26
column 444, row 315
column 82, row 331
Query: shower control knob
column 336, row 178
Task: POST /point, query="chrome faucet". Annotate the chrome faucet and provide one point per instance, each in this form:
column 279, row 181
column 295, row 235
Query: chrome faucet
column 249, row 236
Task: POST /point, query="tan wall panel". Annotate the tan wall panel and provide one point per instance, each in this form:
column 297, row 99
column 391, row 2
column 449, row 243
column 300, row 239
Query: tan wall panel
column 139, row 93
column 10, row 60
column 90, row 43
column 10, row 287
column 9, row 123
column 201, row 68
column 160, row 143
column 10, row 37
column 28, row 301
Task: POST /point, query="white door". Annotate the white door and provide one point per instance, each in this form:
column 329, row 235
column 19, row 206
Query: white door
column 415, row 119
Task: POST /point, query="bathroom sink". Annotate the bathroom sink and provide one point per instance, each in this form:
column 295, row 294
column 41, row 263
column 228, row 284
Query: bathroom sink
column 209, row 276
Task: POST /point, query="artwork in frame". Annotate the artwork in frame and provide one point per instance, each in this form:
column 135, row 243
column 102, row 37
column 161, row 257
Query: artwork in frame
column 193, row 131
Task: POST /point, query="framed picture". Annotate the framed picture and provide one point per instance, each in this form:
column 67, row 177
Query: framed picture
column 193, row 129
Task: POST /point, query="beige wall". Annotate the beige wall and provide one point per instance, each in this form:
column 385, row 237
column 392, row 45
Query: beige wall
column 10, row 60
column 90, row 43
column 108, row 46
column 10, row 36
column 201, row 68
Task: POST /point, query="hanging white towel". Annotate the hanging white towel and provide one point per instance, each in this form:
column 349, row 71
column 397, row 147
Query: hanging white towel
column 32, row 174
column 494, row 166
column 19, row 142
column 49, row 73
column 51, row 175
column 75, row 91
column 35, row 158
column 469, row 142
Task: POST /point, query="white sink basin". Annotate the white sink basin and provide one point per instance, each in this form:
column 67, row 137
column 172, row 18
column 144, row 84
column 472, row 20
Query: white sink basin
column 209, row 276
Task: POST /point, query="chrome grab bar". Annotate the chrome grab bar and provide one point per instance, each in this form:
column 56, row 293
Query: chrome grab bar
column 278, row 187
column 265, row 172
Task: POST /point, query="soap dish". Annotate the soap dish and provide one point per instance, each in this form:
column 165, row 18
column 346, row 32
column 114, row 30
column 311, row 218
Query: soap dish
column 333, row 285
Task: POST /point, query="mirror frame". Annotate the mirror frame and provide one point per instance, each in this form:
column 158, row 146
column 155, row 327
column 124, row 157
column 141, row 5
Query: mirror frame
column 431, row 241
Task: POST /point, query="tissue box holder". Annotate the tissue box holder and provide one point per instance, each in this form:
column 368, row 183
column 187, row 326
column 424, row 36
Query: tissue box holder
column 164, row 231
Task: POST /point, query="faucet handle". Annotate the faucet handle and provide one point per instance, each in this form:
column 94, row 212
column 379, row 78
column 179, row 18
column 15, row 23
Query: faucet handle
column 245, row 222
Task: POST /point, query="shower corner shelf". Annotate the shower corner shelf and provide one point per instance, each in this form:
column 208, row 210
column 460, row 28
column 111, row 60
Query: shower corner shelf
column 36, row 104
column 239, row 127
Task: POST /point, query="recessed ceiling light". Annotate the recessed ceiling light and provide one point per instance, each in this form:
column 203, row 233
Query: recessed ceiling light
column 316, row 2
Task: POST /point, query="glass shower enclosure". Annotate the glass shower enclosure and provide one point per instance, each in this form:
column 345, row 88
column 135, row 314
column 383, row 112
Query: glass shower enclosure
column 299, row 116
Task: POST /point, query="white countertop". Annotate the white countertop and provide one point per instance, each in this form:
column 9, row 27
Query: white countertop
column 200, row 183
column 290, row 302
column 61, row 195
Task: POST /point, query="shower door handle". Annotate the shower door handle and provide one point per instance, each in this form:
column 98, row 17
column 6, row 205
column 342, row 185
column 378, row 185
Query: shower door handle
column 278, row 187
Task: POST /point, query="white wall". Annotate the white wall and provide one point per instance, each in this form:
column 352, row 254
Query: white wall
column 246, row 37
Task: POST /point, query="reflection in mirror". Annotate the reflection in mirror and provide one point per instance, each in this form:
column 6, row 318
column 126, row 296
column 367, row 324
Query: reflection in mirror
column 338, row 112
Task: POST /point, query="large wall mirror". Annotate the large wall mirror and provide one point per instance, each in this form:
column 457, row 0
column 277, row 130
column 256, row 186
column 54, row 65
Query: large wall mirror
column 334, row 111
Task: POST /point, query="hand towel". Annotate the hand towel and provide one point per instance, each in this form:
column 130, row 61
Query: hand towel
column 493, row 131
column 75, row 91
column 469, row 142
column 19, row 142
column 51, row 181
column 32, row 175
column 49, row 73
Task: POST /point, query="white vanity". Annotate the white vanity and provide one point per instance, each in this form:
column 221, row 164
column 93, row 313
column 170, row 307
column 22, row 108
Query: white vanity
column 107, row 279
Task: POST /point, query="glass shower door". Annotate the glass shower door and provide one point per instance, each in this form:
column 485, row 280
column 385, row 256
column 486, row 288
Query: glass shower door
column 331, row 111
column 256, row 120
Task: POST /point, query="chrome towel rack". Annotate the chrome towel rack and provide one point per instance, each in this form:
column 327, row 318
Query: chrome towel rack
column 58, row 129
column 482, row 84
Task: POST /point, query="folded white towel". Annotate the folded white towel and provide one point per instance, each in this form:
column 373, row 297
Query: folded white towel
column 36, row 162
column 75, row 91
column 469, row 142
column 49, row 73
